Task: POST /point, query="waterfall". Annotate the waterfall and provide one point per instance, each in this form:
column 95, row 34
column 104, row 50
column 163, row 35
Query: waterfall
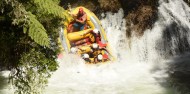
column 141, row 63
column 5, row 88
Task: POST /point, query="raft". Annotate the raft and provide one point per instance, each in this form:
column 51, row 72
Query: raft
column 69, row 39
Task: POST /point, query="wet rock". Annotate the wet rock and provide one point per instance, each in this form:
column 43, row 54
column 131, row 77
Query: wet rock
column 187, row 1
column 110, row 5
column 142, row 18
column 92, row 5
column 140, row 15
column 97, row 6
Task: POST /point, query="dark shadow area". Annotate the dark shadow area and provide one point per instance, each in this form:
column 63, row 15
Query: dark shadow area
column 174, row 45
column 76, row 3
column 179, row 73
column 92, row 5
column 10, row 49
column 187, row 1
column 174, row 40
column 132, row 5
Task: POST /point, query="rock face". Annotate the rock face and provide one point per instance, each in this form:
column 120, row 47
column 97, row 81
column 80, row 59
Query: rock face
column 142, row 18
column 187, row 1
column 94, row 5
column 110, row 5
column 140, row 15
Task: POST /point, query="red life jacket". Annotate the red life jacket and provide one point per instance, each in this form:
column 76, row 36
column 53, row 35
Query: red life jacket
column 105, row 56
column 98, row 40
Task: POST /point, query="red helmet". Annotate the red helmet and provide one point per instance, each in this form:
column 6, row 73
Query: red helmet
column 80, row 9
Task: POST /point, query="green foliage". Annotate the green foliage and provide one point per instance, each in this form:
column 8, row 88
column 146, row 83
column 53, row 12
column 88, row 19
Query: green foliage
column 31, row 75
column 7, row 41
column 28, row 21
column 29, row 36
column 56, row 1
column 48, row 7
column 24, row 14
column 36, row 31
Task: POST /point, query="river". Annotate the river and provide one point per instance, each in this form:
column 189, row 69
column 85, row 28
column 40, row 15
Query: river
column 142, row 63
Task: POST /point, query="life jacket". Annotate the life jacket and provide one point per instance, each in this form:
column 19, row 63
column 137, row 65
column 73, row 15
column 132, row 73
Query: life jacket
column 102, row 45
column 97, row 52
column 97, row 37
column 105, row 56
column 82, row 42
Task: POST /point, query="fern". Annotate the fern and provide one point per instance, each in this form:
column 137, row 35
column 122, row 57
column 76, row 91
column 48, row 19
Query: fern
column 36, row 19
column 37, row 32
column 49, row 7
column 30, row 24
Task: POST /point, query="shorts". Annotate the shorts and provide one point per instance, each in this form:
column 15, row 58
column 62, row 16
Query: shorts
column 78, row 26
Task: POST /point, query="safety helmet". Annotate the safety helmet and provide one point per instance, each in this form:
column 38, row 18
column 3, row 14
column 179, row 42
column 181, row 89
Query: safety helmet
column 95, row 45
column 81, row 9
column 85, row 56
column 100, row 57
column 73, row 50
column 96, row 31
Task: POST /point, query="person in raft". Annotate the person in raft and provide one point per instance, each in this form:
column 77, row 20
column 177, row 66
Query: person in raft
column 80, row 20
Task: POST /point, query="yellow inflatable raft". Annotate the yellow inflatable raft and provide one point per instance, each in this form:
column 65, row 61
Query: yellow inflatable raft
column 89, row 48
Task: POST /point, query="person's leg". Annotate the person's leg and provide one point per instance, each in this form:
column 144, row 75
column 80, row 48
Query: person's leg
column 76, row 26
column 82, row 26
column 70, row 29
column 82, row 41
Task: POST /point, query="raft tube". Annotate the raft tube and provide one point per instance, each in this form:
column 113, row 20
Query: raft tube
column 92, row 22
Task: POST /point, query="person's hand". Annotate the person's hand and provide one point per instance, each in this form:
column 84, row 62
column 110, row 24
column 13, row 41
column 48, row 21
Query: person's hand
column 77, row 20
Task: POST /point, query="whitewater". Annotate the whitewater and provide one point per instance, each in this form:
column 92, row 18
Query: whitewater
column 141, row 63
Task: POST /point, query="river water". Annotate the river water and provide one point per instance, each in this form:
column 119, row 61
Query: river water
column 142, row 63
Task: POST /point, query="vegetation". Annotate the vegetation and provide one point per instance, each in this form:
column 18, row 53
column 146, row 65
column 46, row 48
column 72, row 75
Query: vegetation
column 30, row 77
column 28, row 38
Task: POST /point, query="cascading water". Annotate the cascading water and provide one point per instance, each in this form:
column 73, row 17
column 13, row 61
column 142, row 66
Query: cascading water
column 140, row 67
column 5, row 88
column 141, row 63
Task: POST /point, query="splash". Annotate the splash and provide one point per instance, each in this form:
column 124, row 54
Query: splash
column 5, row 87
column 140, row 67
column 136, row 70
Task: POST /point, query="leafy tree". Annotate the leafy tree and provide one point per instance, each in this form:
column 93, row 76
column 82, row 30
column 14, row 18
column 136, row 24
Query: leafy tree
column 28, row 38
